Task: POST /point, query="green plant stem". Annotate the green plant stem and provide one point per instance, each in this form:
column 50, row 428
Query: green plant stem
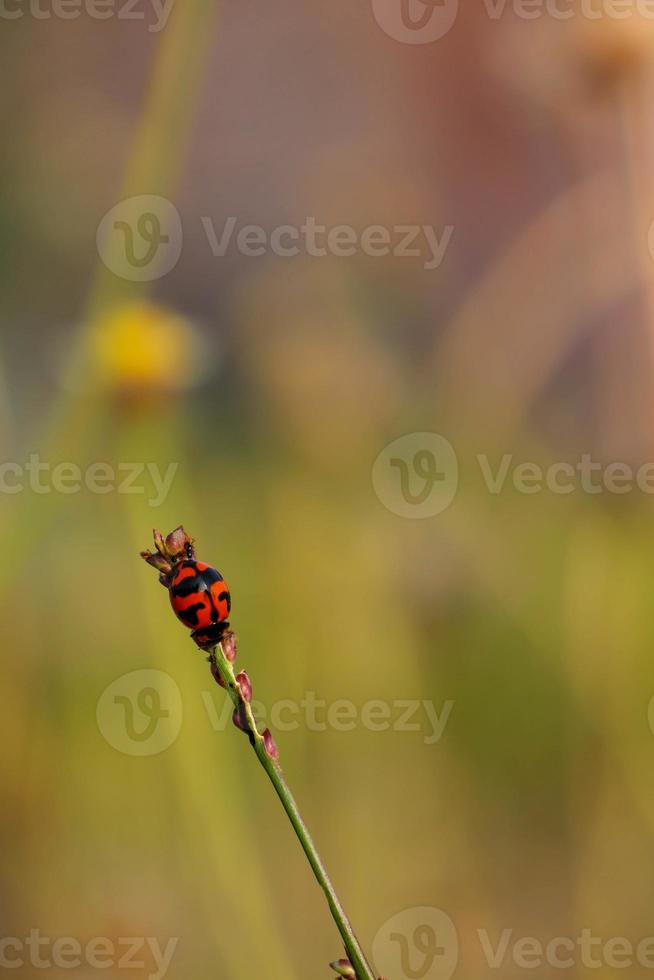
column 353, row 948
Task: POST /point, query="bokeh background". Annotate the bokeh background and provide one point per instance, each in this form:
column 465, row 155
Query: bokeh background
column 274, row 383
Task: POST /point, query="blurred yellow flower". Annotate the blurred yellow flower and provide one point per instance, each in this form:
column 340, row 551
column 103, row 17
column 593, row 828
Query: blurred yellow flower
column 141, row 348
column 570, row 67
column 612, row 51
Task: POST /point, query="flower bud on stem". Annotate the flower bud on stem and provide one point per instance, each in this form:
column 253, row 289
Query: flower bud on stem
column 239, row 689
column 243, row 682
column 344, row 969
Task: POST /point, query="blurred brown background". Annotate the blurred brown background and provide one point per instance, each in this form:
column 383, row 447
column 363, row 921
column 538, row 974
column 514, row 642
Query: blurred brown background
column 270, row 385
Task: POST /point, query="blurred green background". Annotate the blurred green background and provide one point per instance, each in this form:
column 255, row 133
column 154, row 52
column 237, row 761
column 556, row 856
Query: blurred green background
column 272, row 384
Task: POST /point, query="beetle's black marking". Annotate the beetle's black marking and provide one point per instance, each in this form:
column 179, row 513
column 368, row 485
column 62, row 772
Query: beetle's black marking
column 199, row 582
column 210, row 573
column 190, row 616
column 189, row 586
column 215, row 615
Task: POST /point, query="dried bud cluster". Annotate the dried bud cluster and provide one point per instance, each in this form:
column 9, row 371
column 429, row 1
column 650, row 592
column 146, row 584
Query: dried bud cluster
column 177, row 546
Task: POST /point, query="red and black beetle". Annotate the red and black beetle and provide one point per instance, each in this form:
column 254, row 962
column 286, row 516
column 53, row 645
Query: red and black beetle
column 198, row 593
